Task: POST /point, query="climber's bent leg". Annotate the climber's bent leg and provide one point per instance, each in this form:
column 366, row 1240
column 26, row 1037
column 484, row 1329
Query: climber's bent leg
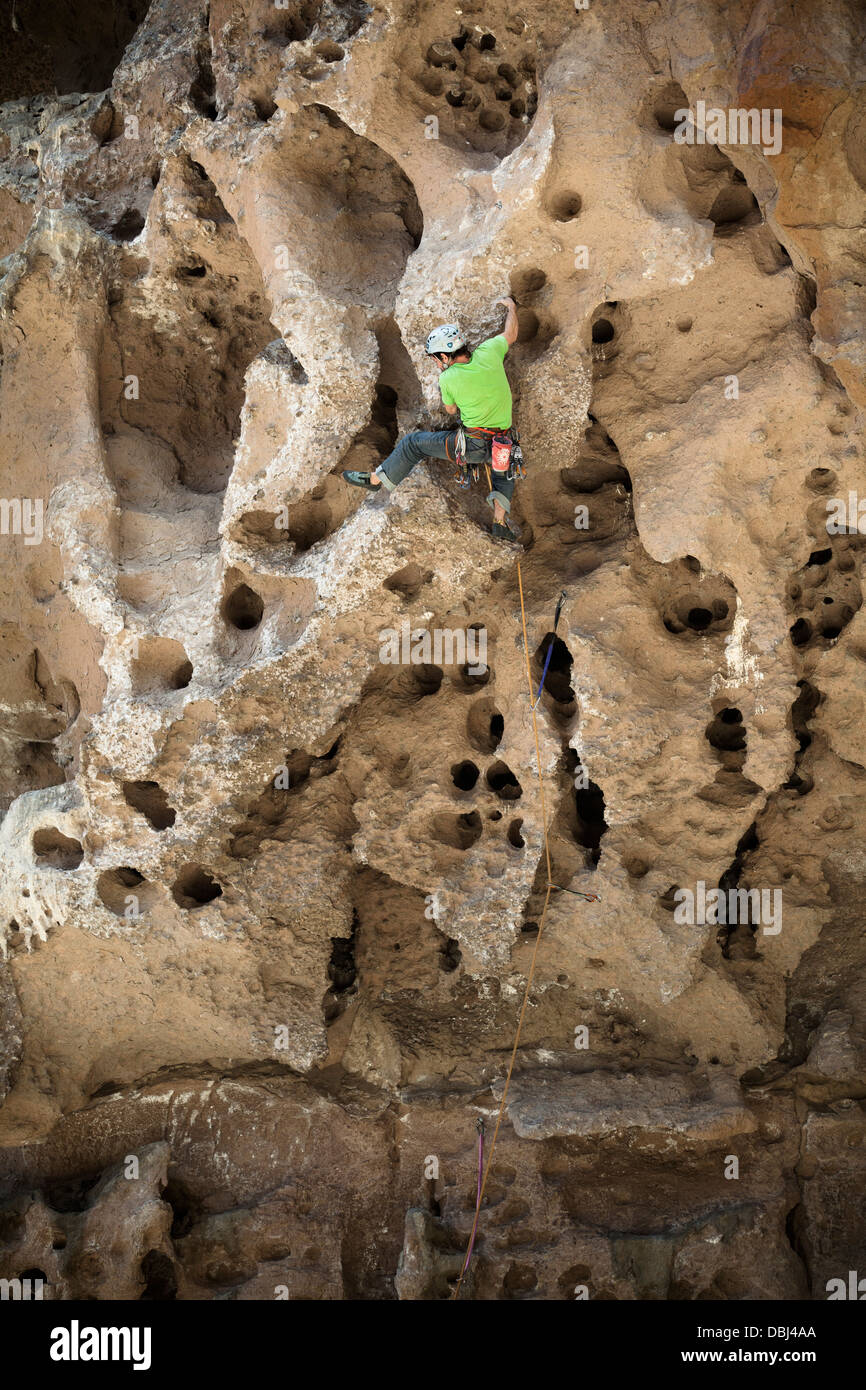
column 500, row 498
column 412, row 448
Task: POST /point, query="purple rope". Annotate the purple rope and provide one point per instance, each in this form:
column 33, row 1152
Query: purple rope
column 562, row 597
column 546, row 664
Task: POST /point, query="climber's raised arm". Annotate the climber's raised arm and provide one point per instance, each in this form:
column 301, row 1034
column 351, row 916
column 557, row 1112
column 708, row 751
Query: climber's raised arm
column 510, row 330
column 473, row 382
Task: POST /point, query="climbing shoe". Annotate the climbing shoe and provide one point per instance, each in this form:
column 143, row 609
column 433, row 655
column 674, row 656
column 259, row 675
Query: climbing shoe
column 360, row 480
column 503, row 533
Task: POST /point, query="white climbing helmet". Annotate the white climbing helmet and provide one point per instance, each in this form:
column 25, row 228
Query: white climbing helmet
column 446, row 338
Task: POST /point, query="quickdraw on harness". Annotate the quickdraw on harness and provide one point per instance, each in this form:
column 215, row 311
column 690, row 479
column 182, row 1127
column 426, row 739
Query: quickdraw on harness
column 506, row 455
column 464, row 468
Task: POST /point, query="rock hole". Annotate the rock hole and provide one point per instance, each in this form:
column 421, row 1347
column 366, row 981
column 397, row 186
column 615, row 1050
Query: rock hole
column 150, row 799
column 329, row 51
column 160, row 1278
column 564, row 206
column 70, row 1194
column 699, row 619
column 490, row 119
column 635, row 865
column 557, row 682
column 820, row 557
column 726, row 732
column 309, row 523
column 459, row 832
column 737, row 939
column 527, row 281
column 427, row 678
column 602, row 331
column 439, row 55
column 802, row 711
column 503, row 782
column 450, row 955
column 243, row 608
column 734, row 207
column 802, row 785
column 527, row 325
column 194, row 888
column 464, row 775
column 119, row 889
column 408, row 581
column 202, row 92
column 469, row 677
column 342, row 972
column 665, row 106
column 55, row 850
column 485, row 726
column 590, row 824
column 128, row 226
column 514, row 836
column 519, row 1280
column 160, row 665
column 186, row 1209
column 821, row 479
column 264, row 107
column 800, row 632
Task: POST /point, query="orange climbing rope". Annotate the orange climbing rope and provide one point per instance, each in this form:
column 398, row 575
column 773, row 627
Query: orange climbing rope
column 531, row 974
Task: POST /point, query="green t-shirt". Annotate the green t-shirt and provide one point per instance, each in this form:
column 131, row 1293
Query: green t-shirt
column 479, row 388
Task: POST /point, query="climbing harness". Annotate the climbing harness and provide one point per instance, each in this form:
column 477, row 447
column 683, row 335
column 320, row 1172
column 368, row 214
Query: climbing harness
column 515, row 466
column 550, row 886
column 467, row 473
column 562, row 597
column 506, row 455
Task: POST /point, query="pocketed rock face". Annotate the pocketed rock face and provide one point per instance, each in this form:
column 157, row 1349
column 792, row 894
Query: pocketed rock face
column 270, row 892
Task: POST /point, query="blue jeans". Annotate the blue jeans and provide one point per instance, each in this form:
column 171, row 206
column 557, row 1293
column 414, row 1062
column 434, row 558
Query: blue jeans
column 439, row 444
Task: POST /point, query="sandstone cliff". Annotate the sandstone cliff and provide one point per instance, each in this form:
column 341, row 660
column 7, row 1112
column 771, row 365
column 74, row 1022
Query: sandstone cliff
column 268, row 903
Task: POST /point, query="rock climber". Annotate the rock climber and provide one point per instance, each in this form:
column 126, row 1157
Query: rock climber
column 472, row 381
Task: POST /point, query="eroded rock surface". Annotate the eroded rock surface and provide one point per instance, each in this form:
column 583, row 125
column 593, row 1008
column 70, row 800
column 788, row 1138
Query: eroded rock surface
column 268, row 902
